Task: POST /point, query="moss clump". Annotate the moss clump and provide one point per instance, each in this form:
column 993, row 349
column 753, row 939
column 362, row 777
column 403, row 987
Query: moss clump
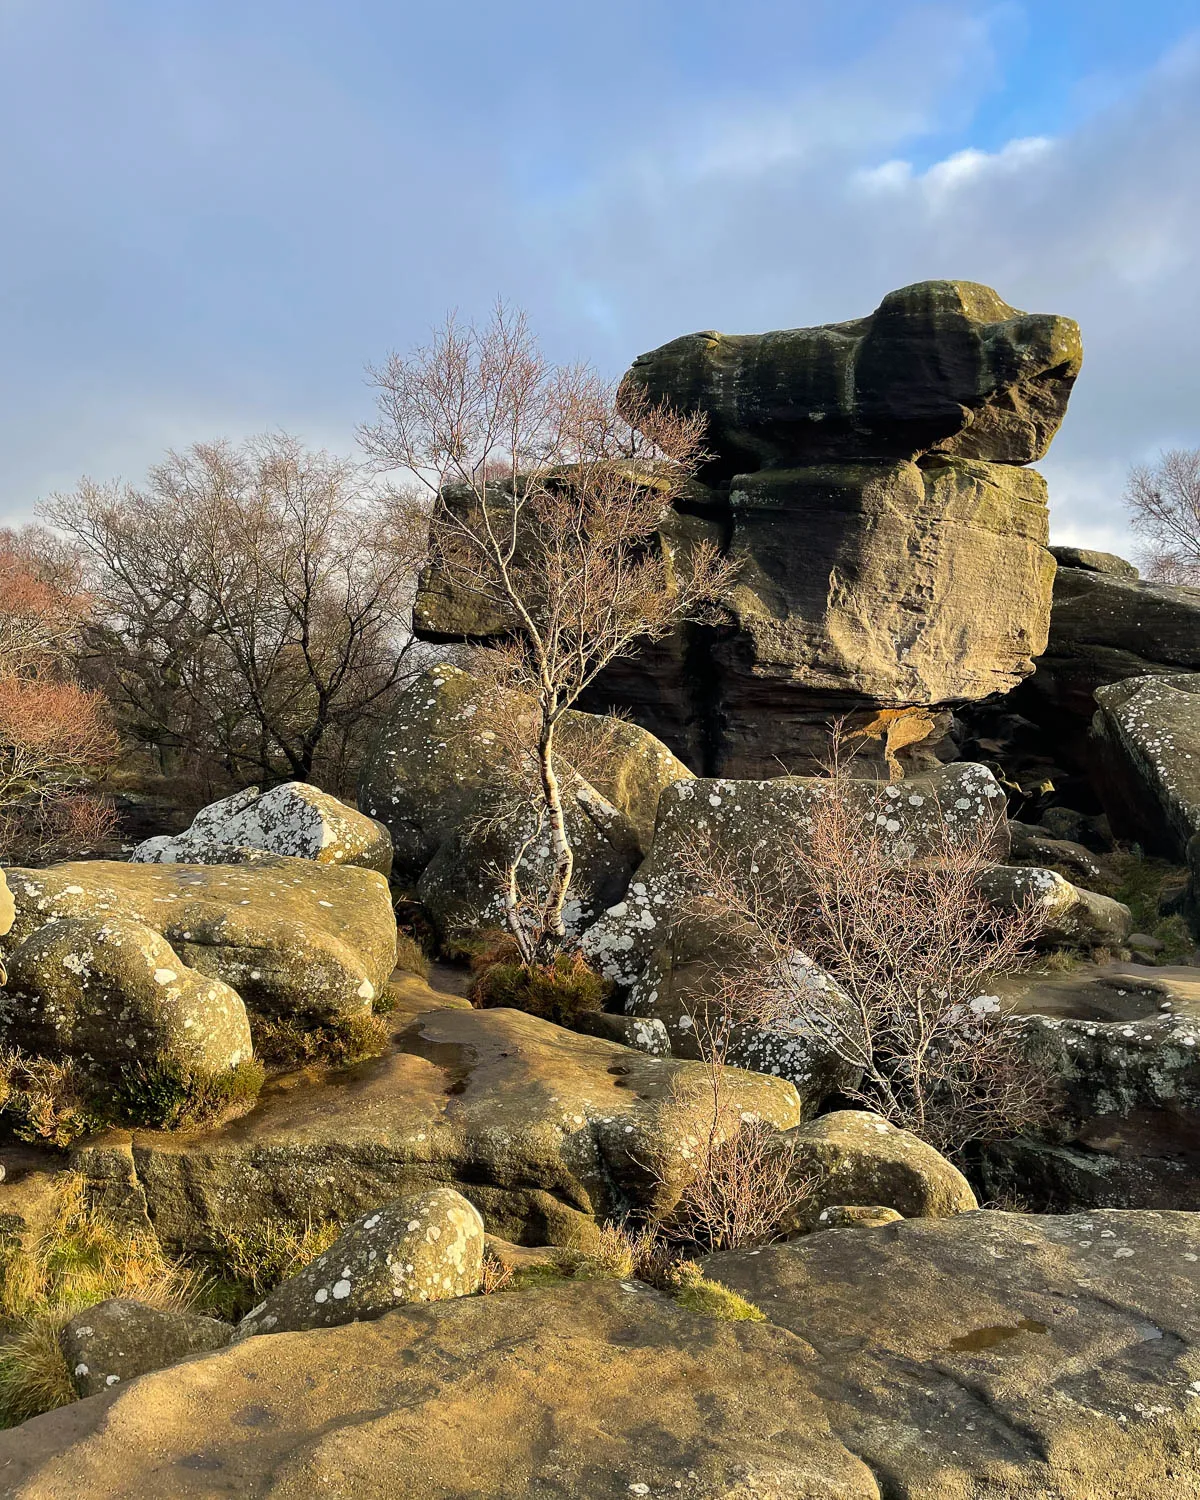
column 43, row 1101
column 70, row 1258
column 246, row 1264
column 698, row 1294
column 559, row 991
column 283, row 1042
column 411, row 957
column 161, row 1096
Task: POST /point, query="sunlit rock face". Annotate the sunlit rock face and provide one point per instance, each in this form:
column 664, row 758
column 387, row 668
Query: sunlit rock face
column 871, row 479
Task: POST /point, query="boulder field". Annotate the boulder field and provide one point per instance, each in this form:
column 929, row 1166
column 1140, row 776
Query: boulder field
column 1034, row 1358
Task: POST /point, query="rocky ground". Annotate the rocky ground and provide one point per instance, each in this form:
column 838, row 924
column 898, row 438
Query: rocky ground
column 403, row 1206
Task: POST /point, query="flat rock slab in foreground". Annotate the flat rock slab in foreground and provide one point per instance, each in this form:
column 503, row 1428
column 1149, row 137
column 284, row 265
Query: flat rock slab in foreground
column 989, row 1355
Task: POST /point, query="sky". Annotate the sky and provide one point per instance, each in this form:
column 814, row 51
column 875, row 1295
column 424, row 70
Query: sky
column 218, row 212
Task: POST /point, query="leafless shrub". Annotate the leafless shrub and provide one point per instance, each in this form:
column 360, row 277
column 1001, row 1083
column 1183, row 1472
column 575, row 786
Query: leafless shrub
column 885, row 949
column 548, row 487
column 1164, row 501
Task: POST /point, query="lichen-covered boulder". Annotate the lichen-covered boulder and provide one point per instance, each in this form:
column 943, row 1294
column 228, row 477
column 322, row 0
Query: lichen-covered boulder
column 1106, row 625
column 1123, row 1043
column 1069, row 915
column 110, row 992
column 425, row 1248
column 290, row 936
column 1147, row 737
column 666, row 958
column 436, row 768
column 295, row 819
column 120, row 1339
column 854, row 1156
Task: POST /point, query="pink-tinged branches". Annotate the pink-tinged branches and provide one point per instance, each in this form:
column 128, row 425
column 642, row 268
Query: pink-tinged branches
column 1164, row 501
column 548, row 488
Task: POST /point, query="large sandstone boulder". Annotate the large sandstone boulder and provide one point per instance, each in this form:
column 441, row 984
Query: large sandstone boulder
column 295, row 819
column 1123, row 1042
column 988, row 1354
column 119, row 1339
column 855, row 1157
column 545, row 1131
column 664, row 958
column 110, row 992
column 893, row 582
column 940, row 366
column 868, row 477
column 290, row 936
column 1146, row 735
column 440, row 781
column 423, row 1249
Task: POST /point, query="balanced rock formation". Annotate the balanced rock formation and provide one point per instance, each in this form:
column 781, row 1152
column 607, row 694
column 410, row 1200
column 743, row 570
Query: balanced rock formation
column 870, row 477
column 289, row 935
column 294, row 819
column 986, row 1354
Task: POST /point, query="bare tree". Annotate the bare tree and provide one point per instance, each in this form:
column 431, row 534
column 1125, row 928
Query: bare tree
column 1164, row 500
column 548, row 488
column 253, row 604
column 887, row 951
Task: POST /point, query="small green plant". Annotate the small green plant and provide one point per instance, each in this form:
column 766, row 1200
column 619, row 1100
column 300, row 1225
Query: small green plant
column 559, row 991
column 284, row 1042
column 246, row 1264
column 712, row 1299
column 43, row 1101
column 162, row 1096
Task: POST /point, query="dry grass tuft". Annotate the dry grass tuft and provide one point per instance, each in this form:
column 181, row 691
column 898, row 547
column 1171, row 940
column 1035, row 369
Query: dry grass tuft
column 73, row 1257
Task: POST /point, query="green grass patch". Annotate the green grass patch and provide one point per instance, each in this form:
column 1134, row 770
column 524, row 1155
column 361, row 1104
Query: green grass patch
column 560, row 991
column 244, row 1265
column 161, row 1096
column 286, row 1042
column 698, row 1293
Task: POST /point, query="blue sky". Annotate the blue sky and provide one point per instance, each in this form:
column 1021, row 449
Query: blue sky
column 216, row 213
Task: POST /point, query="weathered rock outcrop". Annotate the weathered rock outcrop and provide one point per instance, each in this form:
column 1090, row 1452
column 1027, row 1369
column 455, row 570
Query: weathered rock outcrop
column 423, row 1249
column 1124, row 1043
column 295, row 819
column 442, row 784
column 986, row 1354
column 664, row 957
column 869, row 477
column 1146, row 737
column 289, row 935
column 1106, row 625
column 542, row 1129
column 109, row 993
column 855, row 1157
